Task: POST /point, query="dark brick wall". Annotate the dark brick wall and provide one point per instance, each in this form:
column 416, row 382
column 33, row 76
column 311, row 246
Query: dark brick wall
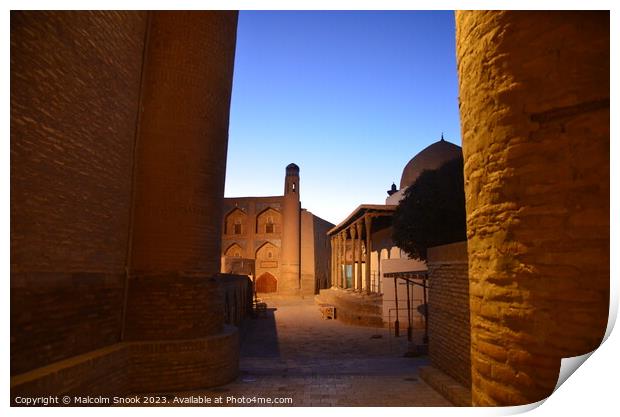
column 81, row 102
column 74, row 93
column 173, row 307
column 55, row 315
column 138, row 367
column 181, row 150
column 186, row 364
column 100, row 372
column 448, row 311
column 238, row 294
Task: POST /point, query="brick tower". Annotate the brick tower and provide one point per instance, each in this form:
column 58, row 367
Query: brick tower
column 291, row 208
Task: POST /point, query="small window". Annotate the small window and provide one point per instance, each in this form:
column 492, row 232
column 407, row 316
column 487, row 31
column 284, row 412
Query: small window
column 237, row 228
column 237, row 255
column 270, row 255
column 293, row 187
column 269, row 225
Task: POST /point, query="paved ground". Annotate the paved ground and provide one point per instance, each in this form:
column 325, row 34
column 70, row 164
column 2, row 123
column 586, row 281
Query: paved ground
column 292, row 353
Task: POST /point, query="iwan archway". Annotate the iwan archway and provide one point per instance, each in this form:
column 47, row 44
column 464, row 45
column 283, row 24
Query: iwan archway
column 266, row 283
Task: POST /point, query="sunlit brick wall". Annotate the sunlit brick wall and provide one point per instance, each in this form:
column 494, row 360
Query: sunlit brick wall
column 534, row 105
column 448, row 305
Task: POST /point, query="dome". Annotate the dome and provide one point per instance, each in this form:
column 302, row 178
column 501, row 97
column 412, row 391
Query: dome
column 292, row 169
column 431, row 157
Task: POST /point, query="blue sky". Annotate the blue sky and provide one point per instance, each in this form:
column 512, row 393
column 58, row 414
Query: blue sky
column 349, row 96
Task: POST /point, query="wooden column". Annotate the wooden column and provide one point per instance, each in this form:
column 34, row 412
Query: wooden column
column 379, row 278
column 337, row 260
column 336, row 248
column 353, row 257
column 332, row 253
column 343, row 253
column 358, row 276
column 367, row 226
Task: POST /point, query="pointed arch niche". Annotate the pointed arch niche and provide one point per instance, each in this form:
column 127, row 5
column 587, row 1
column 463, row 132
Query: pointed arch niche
column 266, row 282
column 235, row 222
column 269, row 221
column 234, row 251
column 267, row 262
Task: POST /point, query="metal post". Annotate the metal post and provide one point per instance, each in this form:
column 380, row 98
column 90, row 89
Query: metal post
column 396, row 323
column 424, row 281
column 409, row 328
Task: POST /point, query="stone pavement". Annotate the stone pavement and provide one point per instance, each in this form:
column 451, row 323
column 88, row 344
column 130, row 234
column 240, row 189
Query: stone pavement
column 295, row 355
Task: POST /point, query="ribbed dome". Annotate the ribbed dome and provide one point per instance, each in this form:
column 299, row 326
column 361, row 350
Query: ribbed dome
column 431, row 157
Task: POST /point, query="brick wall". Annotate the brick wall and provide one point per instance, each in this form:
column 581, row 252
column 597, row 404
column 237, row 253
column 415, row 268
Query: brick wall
column 238, row 297
column 184, row 364
column 102, row 371
column 182, row 142
column 307, row 253
column 137, row 367
column 322, row 253
column 173, row 306
column 98, row 230
column 534, row 107
column 58, row 315
column 75, row 84
column 448, row 305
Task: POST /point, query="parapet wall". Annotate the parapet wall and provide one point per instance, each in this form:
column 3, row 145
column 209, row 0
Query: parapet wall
column 353, row 307
column 137, row 367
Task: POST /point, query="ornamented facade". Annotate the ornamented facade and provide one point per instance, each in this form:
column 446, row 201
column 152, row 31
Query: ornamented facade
column 281, row 245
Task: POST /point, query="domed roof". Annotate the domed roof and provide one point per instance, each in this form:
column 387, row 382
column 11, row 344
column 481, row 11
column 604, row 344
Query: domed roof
column 431, row 157
column 292, row 169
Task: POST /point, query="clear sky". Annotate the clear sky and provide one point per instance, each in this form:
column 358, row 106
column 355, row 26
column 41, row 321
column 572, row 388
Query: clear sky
column 349, row 96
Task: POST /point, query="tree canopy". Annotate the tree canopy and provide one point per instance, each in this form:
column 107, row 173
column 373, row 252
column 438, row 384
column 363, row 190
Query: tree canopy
column 432, row 211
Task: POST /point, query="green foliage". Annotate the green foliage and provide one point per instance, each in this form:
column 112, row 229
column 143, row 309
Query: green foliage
column 432, row 211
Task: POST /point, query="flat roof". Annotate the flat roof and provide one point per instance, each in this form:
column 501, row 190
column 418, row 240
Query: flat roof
column 362, row 209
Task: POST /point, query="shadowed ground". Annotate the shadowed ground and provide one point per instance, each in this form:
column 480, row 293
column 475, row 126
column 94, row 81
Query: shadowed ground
column 291, row 352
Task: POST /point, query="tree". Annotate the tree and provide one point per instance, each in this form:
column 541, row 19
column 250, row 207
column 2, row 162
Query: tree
column 432, row 211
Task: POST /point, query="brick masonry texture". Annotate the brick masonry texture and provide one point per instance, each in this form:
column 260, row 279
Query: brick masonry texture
column 183, row 137
column 448, row 317
column 138, row 367
column 171, row 306
column 185, row 364
column 56, row 315
column 238, row 296
column 534, row 105
column 74, row 95
column 75, row 84
column 107, row 242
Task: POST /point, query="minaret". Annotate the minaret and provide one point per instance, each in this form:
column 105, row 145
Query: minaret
column 289, row 282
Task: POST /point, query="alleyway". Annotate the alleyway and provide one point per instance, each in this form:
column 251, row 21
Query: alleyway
column 294, row 353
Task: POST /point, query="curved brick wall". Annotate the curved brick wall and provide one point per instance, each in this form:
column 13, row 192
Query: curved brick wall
column 534, row 104
column 71, row 159
column 182, row 142
column 179, row 176
column 173, row 306
column 182, row 138
column 119, row 129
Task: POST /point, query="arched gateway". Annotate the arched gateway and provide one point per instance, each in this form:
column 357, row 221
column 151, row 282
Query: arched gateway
column 266, row 283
